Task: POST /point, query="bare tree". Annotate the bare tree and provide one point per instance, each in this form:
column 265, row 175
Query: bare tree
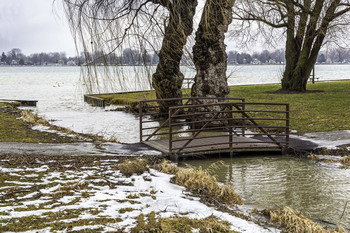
column 108, row 26
column 209, row 51
column 168, row 79
column 306, row 24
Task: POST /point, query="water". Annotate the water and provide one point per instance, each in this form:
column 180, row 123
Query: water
column 318, row 191
column 60, row 93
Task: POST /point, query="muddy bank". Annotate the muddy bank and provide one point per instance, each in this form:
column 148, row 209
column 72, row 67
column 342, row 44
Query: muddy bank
column 78, row 148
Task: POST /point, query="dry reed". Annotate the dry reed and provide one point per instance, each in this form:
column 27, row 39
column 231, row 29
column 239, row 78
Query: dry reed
column 167, row 168
column 33, row 118
column 294, row 221
column 199, row 181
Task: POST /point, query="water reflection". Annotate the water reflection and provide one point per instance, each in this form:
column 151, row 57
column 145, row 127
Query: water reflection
column 318, row 191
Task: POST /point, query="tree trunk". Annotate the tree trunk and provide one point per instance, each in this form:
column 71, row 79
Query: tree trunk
column 167, row 80
column 302, row 50
column 209, row 51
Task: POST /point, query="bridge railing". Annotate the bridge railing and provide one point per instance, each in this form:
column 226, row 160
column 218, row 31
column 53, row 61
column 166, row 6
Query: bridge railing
column 216, row 124
column 154, row 124
column 269, row 122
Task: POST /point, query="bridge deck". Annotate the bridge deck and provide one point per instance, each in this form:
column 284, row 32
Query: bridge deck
column 201, row 146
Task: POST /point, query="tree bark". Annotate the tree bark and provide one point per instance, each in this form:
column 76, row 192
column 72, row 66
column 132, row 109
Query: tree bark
column 167, row 80
column 303, row 48
column 209, row 51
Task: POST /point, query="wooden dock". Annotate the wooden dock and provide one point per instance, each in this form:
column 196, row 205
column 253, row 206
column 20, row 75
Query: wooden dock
column 220, row 126
column 28, row 103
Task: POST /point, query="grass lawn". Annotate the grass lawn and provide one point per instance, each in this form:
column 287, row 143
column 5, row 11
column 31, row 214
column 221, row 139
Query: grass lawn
column 310, row 112
column 14, row 130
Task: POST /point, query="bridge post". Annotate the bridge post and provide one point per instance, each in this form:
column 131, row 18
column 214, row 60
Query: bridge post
column 231, row 127
column 287, row 126
column 140, row 119
column 243, row 116
column 170, row 131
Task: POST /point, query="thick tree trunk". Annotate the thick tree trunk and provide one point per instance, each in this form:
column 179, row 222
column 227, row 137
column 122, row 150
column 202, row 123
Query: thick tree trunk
column 167, row 80
column 209, row 51
column 299, row 66
column 302, row 49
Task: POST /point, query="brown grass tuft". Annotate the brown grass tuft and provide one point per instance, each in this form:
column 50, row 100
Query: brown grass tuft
column 314, row 157
column 33, row 118
column 294, row 221
column 167, row 168
column 199, row 181
column 136, row 166
column 345, row 161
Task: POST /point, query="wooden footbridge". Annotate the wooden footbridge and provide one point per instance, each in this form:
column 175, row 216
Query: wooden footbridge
column 198, row 126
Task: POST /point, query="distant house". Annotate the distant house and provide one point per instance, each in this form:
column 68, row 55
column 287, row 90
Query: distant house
column 60, row 62
column 256, row 61
column 71, row 63
column 14, row 62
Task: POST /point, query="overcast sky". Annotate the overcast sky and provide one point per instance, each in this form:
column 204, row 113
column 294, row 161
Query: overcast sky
column 34, row 26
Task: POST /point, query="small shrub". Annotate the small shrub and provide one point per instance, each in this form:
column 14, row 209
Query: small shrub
column 137, row 166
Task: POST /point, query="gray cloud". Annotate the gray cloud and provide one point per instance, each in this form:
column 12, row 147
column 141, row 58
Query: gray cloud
column 34, row 26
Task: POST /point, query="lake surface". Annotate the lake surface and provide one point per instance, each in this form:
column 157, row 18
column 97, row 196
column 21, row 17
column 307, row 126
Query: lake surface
column 318, row 191
column 60, row 93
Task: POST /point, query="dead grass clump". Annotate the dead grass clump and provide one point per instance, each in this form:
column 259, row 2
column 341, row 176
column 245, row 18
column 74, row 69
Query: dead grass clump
column 345, row 161
column 314, row 157
column 167, row 168
column 136, row 166
column 294, row 221
column 201, row 182
column 152, row 223
column 33, row 118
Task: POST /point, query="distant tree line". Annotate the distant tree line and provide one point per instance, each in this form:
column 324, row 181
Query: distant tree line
column 16, row 57
column 135, row 57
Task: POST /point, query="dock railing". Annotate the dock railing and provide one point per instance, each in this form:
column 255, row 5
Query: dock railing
column 198, row 125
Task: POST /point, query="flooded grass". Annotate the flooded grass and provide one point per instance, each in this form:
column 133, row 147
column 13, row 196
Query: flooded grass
column 310, row 111
column 12, row 129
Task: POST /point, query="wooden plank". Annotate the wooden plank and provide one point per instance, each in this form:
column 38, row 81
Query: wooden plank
column 30, row 103
column 214, row 145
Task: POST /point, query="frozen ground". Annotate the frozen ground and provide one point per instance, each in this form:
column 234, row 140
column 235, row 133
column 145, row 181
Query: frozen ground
column 85, row 148
column 330, row 140
column 39, row 195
